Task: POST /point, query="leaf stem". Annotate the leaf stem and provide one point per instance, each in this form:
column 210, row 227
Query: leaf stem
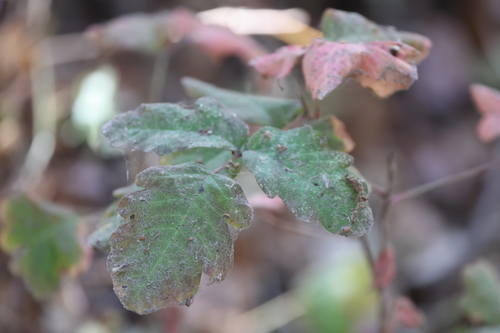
column 419, row 190
column 236, row 155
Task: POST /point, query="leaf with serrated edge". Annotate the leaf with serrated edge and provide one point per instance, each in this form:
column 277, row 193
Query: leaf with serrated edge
column 182, row 225
column 165, row 128
column 313, row 182
column 43, row 240
column 338, row 25
column 259, row 110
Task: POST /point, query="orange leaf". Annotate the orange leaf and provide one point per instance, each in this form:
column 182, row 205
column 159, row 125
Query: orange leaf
column 487, row 101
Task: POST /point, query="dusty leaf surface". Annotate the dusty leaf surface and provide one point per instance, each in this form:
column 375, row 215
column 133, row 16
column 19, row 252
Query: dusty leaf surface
column 259, row 110
column 181, row 225
column 481, row 301
column 338, row 25
column 336, row 134
column 280, row 63
column 164, row 128
column 312, row 181
column 487, row 101
column 43, row 241
column 327, row 64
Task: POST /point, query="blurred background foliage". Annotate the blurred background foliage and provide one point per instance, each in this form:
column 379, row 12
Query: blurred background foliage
column 57, row 89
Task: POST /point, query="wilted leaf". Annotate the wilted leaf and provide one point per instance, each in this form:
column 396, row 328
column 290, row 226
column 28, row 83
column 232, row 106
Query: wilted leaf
column 338, row 25
column 385, row 268
column 280, row 63
column 177, row 229
column 260, row 110
column 42, row 239
column 336, row 134
column 487, row 101
column 327, row 64
column 165, row 128
column 481, row 301
column 314, row 183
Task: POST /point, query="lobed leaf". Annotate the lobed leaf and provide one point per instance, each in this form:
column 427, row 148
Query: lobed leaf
column 487, row 101
column 164, row 128
column 338, row 25
column 336, row 134
column 181, row 225
column 42, row 239
column 260, row 110
column 313, row 182
column 375, row 65
column 481, row 301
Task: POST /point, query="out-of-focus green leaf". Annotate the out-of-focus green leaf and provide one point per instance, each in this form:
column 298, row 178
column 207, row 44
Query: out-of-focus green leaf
column 164, row 128
column 259, row 110
column 177, row 229
column 210, row 158
column 481, row 301
column 335, row 132
column 313, row 182
column 338, row 25
column 42, row 239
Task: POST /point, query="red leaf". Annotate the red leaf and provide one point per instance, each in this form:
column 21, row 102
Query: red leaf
column 487, row 101
column 280, row 63
column 384, row 67
column 407, row 314
column 385, row 268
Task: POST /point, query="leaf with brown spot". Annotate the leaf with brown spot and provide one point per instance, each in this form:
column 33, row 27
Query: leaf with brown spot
column 487, row 101
column 327, row 64
column 338, row 25
column 182, row 225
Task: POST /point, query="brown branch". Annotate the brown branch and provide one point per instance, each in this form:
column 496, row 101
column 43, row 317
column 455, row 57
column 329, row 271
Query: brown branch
column 419, row 190
column 236, row 155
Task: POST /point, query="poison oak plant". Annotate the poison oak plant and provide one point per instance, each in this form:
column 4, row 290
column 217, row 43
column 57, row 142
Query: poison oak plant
column 178, row 228
column 177, row 224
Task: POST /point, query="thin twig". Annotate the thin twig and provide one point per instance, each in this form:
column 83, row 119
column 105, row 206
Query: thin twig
column 368, row 253
column 419, row 190
column 159, row 76
column 236, row 155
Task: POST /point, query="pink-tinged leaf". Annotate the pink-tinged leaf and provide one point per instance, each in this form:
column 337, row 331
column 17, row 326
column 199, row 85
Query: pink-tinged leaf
column 407, row 314
column 487, row 101
column 221, row 42
column 384, row 67
column 338, row 25
column 341, row 132
column 385, row 268
column 280, row 63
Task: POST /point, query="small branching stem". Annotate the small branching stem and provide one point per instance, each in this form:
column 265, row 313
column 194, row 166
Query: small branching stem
column 419, row 190
column 236, row 155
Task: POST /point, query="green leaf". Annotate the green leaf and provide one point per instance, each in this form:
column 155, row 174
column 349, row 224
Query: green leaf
column 165, row 128
column 337, row 137
column 210, row 158
column 481, row 301
column 182, row 225
column 42, row 239
column 313, row 182
column 260, row 110
column 99, row 239
column 338, row 25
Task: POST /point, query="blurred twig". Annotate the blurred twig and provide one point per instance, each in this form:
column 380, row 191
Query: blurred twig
column 419, row 190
